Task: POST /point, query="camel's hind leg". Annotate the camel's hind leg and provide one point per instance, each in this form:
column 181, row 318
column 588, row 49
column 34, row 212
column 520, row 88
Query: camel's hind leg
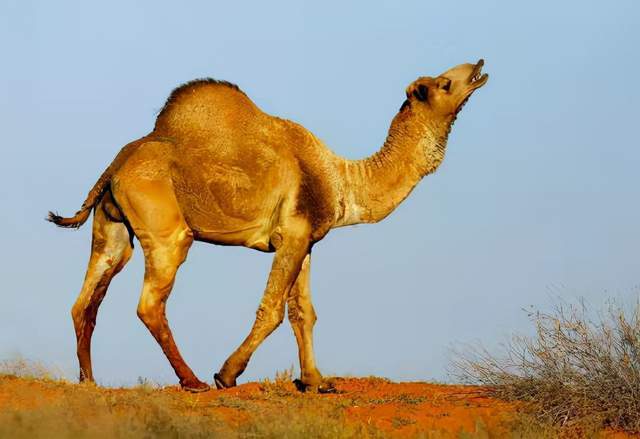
column 154, row 214
column 110, row 250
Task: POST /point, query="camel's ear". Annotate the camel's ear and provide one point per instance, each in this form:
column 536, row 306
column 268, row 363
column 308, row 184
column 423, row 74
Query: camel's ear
column 420, row 92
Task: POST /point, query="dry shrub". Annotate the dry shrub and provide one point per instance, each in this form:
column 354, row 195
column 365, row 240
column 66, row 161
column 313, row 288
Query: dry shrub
column 577, row 371
column 20, row 367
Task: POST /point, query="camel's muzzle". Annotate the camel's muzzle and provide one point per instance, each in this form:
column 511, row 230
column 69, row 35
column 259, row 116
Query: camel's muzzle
column 477, row 79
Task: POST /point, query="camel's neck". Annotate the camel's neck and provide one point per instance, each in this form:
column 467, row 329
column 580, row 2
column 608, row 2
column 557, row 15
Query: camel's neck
column 375, row 186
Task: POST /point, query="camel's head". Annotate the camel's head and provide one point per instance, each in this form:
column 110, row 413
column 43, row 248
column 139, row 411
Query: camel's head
column 446, row 94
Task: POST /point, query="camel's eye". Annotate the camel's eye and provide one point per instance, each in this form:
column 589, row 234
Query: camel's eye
column 446, row 85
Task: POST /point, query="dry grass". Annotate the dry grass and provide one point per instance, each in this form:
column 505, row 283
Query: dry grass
column 91, row 412
column 577, row 372
column 36, row 404
column 33, row 405
column 146, row 411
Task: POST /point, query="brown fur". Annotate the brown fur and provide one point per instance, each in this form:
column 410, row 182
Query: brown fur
column 218, row 169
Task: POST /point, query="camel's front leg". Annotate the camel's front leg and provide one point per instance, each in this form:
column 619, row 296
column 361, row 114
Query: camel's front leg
column 290, row 252
column 302, row 317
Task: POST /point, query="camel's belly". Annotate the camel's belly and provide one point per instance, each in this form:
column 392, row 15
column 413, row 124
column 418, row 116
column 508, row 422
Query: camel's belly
column 235, row 210
column 231, row 218
column 257, row 238
column 232, row 195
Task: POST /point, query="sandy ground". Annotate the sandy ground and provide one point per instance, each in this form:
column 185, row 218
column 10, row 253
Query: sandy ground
column 395, row 409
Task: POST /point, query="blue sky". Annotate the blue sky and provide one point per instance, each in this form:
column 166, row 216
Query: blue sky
column 537, row 197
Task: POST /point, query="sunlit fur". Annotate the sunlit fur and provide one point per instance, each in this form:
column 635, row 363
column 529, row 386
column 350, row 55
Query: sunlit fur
column 218, row 169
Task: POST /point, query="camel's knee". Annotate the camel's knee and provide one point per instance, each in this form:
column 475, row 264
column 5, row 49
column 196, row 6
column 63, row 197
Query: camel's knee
column 294, row 312
column 301, row 315
column 158, row 284
column 150, row 312
column 270, row 317
column 152, row 315
column 162, row 261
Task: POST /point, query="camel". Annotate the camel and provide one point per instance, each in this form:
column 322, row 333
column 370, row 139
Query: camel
column 217, row 169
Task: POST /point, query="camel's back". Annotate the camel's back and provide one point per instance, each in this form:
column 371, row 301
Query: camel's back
column 206, row 109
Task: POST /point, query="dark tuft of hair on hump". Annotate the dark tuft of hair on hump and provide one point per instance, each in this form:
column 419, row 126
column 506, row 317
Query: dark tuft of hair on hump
column 195, row 83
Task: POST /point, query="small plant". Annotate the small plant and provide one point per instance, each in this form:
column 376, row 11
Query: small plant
column 146, row 384
column 281, row 385
column 575, row 371
column 284, row 376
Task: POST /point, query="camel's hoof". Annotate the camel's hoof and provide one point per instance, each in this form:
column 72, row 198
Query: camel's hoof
column 221, row 384
column 325, row 387
column 196, row 387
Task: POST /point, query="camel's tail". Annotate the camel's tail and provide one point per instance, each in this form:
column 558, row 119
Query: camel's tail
column 95, row 194
column 70, row 223
column 82, row 215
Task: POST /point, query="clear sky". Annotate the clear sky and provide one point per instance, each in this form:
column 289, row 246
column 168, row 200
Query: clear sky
column 538, row 195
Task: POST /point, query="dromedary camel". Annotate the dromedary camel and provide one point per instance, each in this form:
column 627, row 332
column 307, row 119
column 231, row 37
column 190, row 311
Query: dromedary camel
column 217, row 169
